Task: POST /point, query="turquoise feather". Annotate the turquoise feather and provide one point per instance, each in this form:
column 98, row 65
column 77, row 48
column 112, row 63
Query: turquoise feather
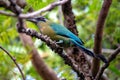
column 63, row 31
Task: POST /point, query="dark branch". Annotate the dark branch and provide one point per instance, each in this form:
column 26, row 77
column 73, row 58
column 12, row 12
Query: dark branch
column 7, row 13
column 75, row 52
column 110, row 59
column 98, row 35
column 47, row 8
column 16, row 9
column 14, row 60
column 108, row 51
column 69, row 17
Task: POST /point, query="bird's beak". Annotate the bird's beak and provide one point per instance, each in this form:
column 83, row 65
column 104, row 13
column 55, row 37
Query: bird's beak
column 32, row 20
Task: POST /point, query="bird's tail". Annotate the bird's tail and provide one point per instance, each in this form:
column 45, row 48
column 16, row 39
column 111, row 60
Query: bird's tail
column 99, row 56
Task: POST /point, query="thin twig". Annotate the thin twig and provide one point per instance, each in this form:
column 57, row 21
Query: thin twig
column 110, row 59
column 47, row 8
column 14, row 60
column 7, row 13
column 107, row 51
column 33, row 14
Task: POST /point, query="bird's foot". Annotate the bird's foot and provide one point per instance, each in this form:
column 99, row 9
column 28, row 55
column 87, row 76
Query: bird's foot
column 59, row 42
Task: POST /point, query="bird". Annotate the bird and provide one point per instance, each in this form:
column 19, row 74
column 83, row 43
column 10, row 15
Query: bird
column 62, row 35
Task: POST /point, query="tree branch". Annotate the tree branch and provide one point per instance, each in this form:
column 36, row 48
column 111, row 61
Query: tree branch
column 14, row 60
column 47, row 8
column 75, row 52
column 7, row 13
column 110, row 59
column 28, row 15
column 98, row 35
column 108, row 51
column 69, row 17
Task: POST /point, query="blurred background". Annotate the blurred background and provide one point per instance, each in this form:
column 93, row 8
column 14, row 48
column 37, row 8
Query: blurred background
column 86, row 14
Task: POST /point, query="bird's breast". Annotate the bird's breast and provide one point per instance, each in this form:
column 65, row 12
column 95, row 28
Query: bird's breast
column 49, row 32
column 42, row 29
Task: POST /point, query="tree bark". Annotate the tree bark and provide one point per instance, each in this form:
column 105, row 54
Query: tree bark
column 98, row 35
column 45, row 72
column 74, row 52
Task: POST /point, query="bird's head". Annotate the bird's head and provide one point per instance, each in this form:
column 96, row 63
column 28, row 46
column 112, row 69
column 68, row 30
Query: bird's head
column 39, row 21
column 36, row 20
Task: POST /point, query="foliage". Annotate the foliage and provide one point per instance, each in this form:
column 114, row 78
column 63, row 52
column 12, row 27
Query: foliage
column 86, row 13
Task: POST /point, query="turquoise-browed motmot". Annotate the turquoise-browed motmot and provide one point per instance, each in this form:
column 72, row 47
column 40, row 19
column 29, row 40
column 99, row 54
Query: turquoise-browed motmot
column 62, row 35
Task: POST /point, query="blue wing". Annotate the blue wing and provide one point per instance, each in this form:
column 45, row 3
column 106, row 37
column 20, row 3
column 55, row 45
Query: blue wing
column 63, row 31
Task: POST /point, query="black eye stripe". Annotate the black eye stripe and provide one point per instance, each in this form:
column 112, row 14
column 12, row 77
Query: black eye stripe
column 41, row 19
